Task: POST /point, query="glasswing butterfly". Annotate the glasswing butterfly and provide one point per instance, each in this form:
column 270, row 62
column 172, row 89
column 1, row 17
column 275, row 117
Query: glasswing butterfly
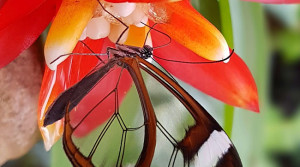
column 190, row 135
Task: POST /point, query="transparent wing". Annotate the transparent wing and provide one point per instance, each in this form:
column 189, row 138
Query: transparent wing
column 120, row 140
column 177, row 131
column 167, row 128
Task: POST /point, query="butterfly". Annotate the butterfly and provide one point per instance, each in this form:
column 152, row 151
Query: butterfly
column 201, row 141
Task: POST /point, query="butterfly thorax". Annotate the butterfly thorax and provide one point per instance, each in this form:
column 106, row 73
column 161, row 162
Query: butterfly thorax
column 132, row 51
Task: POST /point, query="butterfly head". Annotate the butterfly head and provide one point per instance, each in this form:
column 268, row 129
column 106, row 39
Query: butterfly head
column 146, row 52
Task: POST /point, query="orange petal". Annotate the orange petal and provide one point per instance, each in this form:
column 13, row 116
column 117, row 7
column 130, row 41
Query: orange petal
column 186, row 26
column 136, row 36
column 66, row 29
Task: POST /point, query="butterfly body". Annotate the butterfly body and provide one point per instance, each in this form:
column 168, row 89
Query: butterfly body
column 121, row 50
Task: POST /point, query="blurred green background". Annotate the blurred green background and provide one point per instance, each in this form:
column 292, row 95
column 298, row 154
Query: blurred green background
column 267, row 37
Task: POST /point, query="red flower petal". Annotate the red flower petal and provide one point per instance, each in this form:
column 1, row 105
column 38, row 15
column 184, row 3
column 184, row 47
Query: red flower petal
column 17, row 9
column 19, row 31
column 229, row 82
column 2, row 3
column 276, row 1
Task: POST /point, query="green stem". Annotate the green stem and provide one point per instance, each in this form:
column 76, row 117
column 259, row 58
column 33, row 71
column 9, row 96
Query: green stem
column 226, row 28
column 228, row 119
column 226, row 25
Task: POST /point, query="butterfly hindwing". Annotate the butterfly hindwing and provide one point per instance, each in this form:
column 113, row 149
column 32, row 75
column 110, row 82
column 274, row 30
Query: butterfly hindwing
column 204, row 143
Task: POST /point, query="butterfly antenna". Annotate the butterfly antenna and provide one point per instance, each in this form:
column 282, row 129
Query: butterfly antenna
column 91, row 51
column 60, row 57
column 82, row 54
column 97, row 55
column 152, row 28
column 117, row 42
column 148, row 32
column 78, row 54
column 201, row 62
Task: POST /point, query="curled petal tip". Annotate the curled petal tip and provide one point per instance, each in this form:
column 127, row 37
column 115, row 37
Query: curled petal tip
column 54, row 54
column 67, row 28
column 51, row 134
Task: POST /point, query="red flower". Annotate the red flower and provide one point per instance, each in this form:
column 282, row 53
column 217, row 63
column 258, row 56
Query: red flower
column 193, row 39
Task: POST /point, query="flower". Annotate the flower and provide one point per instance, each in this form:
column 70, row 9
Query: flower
column 21, row 24
column 193, row 39
column 276, row 1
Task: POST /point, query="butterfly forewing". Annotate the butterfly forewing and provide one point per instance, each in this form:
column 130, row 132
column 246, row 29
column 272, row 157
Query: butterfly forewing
column 120, row 138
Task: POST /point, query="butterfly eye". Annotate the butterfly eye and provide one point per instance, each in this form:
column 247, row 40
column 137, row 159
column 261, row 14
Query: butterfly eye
column 148, row 48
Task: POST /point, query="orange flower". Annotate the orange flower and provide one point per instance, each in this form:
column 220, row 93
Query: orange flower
column 193, row 39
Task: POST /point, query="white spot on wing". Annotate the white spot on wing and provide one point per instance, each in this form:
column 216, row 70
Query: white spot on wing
column 213, row 149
